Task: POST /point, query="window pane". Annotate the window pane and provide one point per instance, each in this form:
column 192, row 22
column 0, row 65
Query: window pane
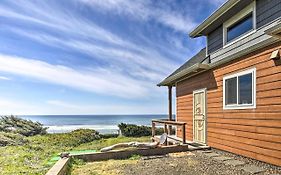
column 231, row 91
column 245, row 89
column 239, row 28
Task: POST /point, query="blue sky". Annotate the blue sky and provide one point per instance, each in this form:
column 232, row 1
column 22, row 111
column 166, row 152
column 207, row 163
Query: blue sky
column 94, row 56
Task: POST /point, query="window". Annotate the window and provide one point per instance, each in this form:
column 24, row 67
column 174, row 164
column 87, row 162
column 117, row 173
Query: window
column 240, row 25
column 239, row 90
column 239, row 28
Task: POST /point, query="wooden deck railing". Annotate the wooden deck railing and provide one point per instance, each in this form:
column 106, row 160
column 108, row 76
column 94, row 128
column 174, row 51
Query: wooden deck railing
column 167, row 124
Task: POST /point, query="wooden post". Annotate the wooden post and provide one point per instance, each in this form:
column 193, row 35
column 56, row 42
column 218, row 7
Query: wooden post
column 165, row 128
column 153, row 129
column 170, row 108
column 183, row 134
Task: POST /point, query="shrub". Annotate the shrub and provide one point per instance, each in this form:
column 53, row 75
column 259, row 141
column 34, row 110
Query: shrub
column 24, row 127
column 71, row 139
column 8, row 139
column 85, row 135
column 107, row 136
column 131, row 130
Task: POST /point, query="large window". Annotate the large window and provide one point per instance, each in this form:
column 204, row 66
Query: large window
column 239, row 90
column 240, row 25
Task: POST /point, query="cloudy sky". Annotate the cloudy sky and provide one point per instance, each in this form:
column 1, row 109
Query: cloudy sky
column 94, row 56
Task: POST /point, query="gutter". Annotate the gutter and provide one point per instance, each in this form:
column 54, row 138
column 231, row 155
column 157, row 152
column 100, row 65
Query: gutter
column 213, row 17
column 193, row 69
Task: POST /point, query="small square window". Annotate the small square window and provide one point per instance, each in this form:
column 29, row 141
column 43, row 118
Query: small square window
column 239, row 90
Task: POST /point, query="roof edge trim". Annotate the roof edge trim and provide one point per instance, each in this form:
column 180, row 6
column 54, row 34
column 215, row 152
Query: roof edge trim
column 214, row 16
column 193, row 69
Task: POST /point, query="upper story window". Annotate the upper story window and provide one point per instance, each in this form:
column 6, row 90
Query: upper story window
column 240, row 25
column 239, row 90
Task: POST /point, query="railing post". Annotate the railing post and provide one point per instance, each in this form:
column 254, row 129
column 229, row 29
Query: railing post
column 153, row 129
column 183, row 134
column 165, row 128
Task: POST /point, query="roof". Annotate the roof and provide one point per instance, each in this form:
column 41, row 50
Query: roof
column 223, row 13
column 192, row 64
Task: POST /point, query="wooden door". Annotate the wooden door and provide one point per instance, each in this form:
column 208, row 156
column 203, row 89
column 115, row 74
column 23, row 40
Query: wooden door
column 199, row 116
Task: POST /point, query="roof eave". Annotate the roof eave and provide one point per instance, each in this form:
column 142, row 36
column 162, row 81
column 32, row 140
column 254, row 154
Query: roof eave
column 170, row 81
column 197, row 32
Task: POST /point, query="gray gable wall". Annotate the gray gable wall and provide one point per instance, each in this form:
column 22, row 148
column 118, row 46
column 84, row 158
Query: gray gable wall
column 215, row 40
column 267, row 11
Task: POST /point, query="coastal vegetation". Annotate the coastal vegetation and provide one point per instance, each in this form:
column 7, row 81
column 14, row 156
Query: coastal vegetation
column 32, row 153
column 130, row 130
column 13, row 124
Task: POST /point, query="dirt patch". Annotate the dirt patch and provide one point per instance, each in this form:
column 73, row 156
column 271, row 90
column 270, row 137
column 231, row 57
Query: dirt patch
column 187, row 163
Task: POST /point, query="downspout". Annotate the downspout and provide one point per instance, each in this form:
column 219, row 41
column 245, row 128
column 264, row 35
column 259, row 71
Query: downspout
column 170, row 108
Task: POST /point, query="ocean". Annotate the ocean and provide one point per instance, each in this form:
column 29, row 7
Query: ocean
column 105, row 124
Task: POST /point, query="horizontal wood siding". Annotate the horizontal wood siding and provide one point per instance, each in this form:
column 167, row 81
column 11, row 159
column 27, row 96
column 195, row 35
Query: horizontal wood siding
column 215, row 40
column 267, row 11
column 254, row 133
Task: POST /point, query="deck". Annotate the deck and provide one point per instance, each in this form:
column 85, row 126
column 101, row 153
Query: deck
column 173, row 139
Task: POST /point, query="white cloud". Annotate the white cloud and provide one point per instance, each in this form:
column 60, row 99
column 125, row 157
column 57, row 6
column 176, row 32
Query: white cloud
column 98, row 80
column 144, row 10
column 118, row 53
column 137, row 60
column 4, row 78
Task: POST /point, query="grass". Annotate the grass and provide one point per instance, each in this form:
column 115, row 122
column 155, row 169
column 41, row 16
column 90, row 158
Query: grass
column 34, row 157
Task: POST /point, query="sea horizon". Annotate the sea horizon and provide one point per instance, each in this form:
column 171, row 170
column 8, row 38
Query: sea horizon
column 105, row 124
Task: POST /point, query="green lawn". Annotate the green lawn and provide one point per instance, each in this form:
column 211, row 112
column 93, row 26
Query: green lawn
column 34, row 157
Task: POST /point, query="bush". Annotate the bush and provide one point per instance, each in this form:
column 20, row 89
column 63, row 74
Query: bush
column 107, row 136
column 130, row 130
column 24, row 127
column 71, row 139
column 85, row 135
column 8, row 139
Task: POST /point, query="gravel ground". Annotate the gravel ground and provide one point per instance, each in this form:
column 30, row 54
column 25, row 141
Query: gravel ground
column 186, row 163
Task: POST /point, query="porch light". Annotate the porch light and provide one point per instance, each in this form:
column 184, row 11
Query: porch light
column 275, row 55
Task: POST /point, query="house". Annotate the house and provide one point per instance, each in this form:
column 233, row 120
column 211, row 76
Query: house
column 229, row 93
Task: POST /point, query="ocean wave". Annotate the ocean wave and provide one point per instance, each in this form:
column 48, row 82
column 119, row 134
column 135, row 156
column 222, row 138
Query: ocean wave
column 105, row 129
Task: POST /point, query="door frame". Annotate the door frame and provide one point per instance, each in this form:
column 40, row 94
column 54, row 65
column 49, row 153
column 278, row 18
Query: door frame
column 204, row 90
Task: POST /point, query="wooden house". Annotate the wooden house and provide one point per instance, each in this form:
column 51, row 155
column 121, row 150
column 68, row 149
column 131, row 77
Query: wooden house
column 229, row 93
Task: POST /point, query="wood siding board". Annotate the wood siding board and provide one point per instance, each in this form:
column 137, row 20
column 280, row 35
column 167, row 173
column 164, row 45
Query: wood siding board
column 257, row 130
column 215, row 40
column 250, row 154
column 252, row 142
column 246, row 150
column 267, row 11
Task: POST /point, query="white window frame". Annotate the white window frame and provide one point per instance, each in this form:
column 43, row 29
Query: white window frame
column 241, row 106
column 243, row 13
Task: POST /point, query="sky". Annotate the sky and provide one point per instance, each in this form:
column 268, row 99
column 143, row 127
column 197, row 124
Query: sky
column 94, row 56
